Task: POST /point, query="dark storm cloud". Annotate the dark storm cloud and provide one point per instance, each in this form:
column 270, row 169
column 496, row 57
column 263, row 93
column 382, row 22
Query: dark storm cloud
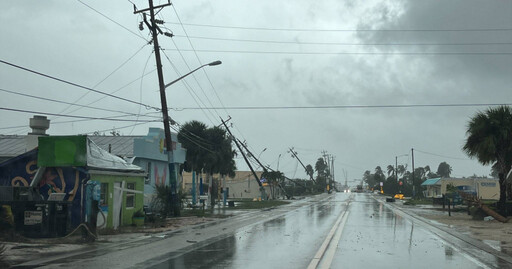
column 449, row 15
column 70, row 40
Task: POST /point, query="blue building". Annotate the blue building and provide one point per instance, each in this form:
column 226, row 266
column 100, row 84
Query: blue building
column 149, row 153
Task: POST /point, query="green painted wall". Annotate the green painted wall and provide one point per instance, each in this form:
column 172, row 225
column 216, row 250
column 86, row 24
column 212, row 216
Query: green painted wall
column 57, row 151
column 126, row 213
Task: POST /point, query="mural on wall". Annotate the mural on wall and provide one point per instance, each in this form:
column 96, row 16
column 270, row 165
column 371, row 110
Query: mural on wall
column 20, row 171
column 160, row 180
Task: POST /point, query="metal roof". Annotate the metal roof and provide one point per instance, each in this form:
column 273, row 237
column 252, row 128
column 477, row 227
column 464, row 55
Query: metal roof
column 119, row 145
column 430, row 181
column 12, row 145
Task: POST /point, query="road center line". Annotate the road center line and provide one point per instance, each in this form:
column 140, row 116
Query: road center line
column 331, row 250
column 321, row 251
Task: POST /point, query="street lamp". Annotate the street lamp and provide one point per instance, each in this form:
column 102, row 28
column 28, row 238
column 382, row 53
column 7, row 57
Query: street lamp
column 167, row 130
column 258, row 159
column 261, row 153
column 278, row 162
column 180, row 78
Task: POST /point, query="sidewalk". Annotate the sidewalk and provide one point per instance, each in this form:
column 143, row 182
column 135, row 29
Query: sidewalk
column 37, row 248
column 494, row 233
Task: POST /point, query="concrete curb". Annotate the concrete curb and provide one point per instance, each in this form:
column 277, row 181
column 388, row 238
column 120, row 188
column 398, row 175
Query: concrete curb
column 442, row 230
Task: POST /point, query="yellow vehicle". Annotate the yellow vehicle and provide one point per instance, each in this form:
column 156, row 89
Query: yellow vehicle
column 399, row 196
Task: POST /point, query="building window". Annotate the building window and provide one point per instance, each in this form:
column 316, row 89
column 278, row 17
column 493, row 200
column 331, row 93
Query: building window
column 130, row 196
column 147, row 179
column 104, row 194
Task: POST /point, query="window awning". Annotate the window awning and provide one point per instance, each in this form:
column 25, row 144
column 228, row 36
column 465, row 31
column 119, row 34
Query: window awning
column 430, row 181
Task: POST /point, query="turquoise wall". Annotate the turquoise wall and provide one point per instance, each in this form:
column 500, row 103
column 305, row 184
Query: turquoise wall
column 152, row 157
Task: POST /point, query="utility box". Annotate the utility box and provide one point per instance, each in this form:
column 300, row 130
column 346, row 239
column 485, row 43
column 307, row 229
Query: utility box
column 41, row 218
column 34, row 217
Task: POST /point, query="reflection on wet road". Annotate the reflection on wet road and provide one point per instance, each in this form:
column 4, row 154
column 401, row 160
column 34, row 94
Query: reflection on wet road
column 376, row 236
column 373, row 236
column 286, row 242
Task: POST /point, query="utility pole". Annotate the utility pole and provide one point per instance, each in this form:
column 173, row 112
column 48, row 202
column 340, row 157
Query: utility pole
column 413, row 186
column 328, row 162
column 396, row 169
column 254, row 157
column 332, row 173
column 262, row 189
column 152, row 25
column 294, row 154
column 262, row 166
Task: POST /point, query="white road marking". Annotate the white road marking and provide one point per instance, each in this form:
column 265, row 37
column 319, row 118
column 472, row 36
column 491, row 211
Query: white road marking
column 333, row 246
column 323, row 248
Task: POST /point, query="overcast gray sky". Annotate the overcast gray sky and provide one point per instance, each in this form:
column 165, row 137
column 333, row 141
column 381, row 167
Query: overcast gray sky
column 286, row 54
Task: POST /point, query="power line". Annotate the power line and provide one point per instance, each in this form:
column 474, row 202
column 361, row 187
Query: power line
column 68, row 103
column 193, row 140
column 345, row 106
column 345, row 30
column 63, row 122
column 119, row 128
column 193, row 75
column 140, row 87
column 197, row 57
column 75, row 84
column 443, row 156
column 113, row 118
column 187, row 86
column 347, row 53
column 346, row 44
column 120, row 88
column 108, row 18
column 182, row 128
column 109, row 75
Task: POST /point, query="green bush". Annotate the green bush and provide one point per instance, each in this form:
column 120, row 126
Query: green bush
column 162, row 202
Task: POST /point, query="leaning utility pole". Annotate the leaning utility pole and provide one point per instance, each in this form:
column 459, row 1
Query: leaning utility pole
column 262, row 189
column 265, row 170
column 152, row 25
column 295, row 156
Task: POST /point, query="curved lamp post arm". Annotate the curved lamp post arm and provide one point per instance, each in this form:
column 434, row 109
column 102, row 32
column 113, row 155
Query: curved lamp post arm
column 182, row 77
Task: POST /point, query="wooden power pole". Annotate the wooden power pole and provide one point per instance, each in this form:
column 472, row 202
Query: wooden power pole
column 152, row 25
column 262, row 189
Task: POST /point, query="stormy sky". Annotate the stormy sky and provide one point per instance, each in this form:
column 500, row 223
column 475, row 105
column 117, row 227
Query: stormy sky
column 341, row 76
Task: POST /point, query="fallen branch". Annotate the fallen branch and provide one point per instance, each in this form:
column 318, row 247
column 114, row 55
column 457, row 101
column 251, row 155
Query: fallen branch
column 472, row 199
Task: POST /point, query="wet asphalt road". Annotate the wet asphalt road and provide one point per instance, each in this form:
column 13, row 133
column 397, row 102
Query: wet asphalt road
column 340, row 230
column 370, row 236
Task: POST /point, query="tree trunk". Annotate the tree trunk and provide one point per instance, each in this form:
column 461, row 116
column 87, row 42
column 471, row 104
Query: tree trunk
column 493, row 214
column 509, row 190
column 503, row 191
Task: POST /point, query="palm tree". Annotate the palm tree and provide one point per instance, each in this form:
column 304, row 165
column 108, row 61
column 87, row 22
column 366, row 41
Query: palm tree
column 309, row 170
column 322, row 173
column 489, row 139
column 401, row 169
column 444, row 170
column 391, row 170
column 220, row 156
column 192, row 137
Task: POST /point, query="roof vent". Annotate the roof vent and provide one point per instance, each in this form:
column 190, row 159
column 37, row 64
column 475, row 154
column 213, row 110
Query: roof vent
column 39, row 125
